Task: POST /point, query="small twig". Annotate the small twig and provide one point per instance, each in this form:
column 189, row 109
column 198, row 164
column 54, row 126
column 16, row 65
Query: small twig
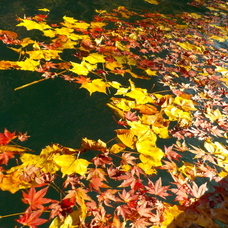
column 31, row 83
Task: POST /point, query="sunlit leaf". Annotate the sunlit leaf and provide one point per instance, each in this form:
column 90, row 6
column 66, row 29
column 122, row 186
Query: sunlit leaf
column 155, row 2
column 95, row 58
column 83, row 68
column 28, row 64
column 96, row 85
column 70, row 164
column 30, row 25
column 127, row 137
column 116, row 148
column 189, row 47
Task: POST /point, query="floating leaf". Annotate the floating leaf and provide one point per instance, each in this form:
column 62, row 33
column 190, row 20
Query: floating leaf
column 69, row 164
column 96, row 85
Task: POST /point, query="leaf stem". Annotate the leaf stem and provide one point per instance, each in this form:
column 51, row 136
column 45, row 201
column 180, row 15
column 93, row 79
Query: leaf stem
column 5, row 216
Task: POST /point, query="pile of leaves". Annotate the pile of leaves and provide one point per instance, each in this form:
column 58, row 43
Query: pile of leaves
column 136, row 179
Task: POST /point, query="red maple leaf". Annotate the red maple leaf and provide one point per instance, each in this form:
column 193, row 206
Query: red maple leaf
column 82, row 80
column 157, row 188
column 5, row 156
column 31, row 218
column 62, row 208
column 6, row 137
column 35, row 199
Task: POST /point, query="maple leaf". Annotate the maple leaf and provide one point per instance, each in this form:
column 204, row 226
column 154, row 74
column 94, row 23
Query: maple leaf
column 89, row 144
column 96, row 85
column 141, row 223
column 70, row 164
column 62, row 208
column 131, row 116
column 35, row 199
column 158, row 189
column 6, row 137
column 31, row 218
column 126, row 159
column 23, row 137
column 5, row 156
column 117, row 148
column 171, row 154
column 96, row 183
column 198, row 191
column 107, row 196
column 28, row 64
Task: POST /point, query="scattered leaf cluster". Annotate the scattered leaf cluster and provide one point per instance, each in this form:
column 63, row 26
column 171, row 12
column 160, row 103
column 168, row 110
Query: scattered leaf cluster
column 138, row 179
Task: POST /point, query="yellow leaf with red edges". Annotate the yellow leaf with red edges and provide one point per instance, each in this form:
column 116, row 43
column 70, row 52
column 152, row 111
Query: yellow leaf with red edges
column 69, row 164
column 96, row 85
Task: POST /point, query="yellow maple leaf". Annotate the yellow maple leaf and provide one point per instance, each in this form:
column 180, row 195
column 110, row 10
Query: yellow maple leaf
column 44, row 54
column 113, row 65
column 117, row 148
column 95, row 58
column 154, row 2
column 151, row 72
column 222, row 70
column 95, row 24
column 64, row 31
column 176, row 114
column 83, row 68
column 28, row 64
column 213, row 115
column 185, row 104
column 147, row 147
column 147, row 168
column 170, row 215
column 30, row 25
column 189, row 47
column 69, row 164
column 142, row 131
column 44, row 10
column 13, row 181
column 127, row 137
column 96, row 85
column 154, row 159
column 140, row 95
